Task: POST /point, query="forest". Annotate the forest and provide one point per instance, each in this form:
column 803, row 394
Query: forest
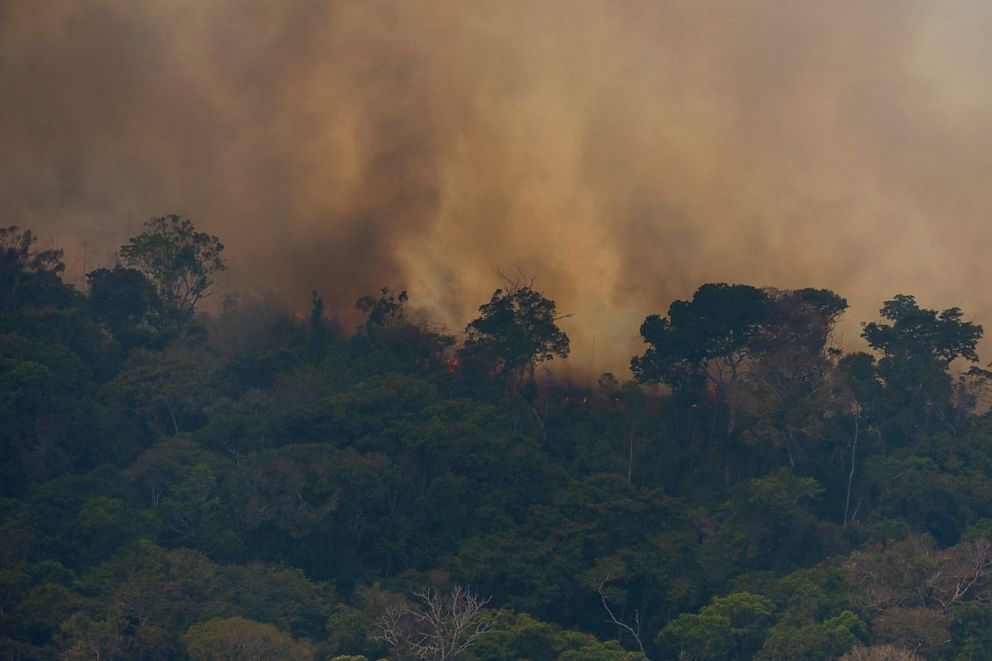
column 240, row 481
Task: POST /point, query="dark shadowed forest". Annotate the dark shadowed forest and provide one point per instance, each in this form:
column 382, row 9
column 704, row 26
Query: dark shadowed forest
column 245, row 481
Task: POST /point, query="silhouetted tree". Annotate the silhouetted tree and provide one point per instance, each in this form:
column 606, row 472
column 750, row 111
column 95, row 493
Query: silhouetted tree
column 705, row 339
column 921, row 335
column 28, row 277
column 178, row 260
column 518, row 328
column 126, row 303
column 382, row 311
column 913, row 387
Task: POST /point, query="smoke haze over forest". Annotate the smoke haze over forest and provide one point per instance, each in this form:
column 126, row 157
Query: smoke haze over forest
column 621, row 153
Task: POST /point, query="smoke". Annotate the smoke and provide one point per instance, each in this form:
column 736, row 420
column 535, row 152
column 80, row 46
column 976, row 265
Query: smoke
column 622, row 153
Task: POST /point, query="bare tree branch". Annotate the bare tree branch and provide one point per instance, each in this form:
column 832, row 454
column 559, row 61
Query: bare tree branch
column 440, row 627
column 601, row 591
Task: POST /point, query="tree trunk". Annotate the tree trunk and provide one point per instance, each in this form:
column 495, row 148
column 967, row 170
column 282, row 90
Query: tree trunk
column 854, row 449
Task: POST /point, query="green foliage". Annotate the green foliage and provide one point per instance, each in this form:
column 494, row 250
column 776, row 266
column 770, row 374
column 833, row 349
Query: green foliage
column 543, row 566
column 146, row 589
column 719, row 325
column 126, row 302
column 105, row 524
column 234, row 638
column 517, row 329
column 347, row 629
column 730, row 627
column 165, row 389
column 820, row 641
column 275, row 485
column 194, row 513
column 768, row 524
column 385, row 311
column 941, row 500
column 520, row 637
column 971, row 633
column 920, row 335
column 911, row 393
column 178, row 260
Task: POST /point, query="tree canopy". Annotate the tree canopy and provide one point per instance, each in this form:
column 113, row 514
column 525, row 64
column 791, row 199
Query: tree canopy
column 516, row 330
column 919, row 334
column 704, row 337
column 264, row 485
column 28, row 276
column 178, row 260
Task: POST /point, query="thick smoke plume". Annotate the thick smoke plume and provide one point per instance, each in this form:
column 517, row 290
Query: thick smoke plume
column 621, row 152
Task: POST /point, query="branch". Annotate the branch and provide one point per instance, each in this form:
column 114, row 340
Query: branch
column 601, row 591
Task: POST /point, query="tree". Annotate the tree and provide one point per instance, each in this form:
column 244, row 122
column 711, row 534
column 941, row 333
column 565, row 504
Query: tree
column 440, row 627
column 730, row 627
column 515, row 636
column 634, row 631
column 712, row 337
column 125, row 302
column 178, row 260
column 165, row 389
column 702, row 347
column 518, row 328
column 921, row 335
column 28, row 277
column 768, row 524
column 913, row 388
column 238, row 639
column 705, row 339
column 880, row 653
column 384, row 311
column 817, row 641
column 389, row 327
column 732, row 345
column 802, row 319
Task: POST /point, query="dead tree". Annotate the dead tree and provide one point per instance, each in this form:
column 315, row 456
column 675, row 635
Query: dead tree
column 439, row 627
column 634, row 631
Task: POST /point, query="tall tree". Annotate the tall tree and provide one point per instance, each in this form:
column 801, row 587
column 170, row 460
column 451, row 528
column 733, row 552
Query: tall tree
column 793, row 386
column 178, row 260
column 706, row 339
column 518, row 329
column 917, row 345
column 712, row 337
column 920, row 335
column 741, row 348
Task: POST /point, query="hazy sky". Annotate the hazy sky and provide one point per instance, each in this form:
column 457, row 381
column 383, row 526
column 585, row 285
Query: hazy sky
column 623, row 153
